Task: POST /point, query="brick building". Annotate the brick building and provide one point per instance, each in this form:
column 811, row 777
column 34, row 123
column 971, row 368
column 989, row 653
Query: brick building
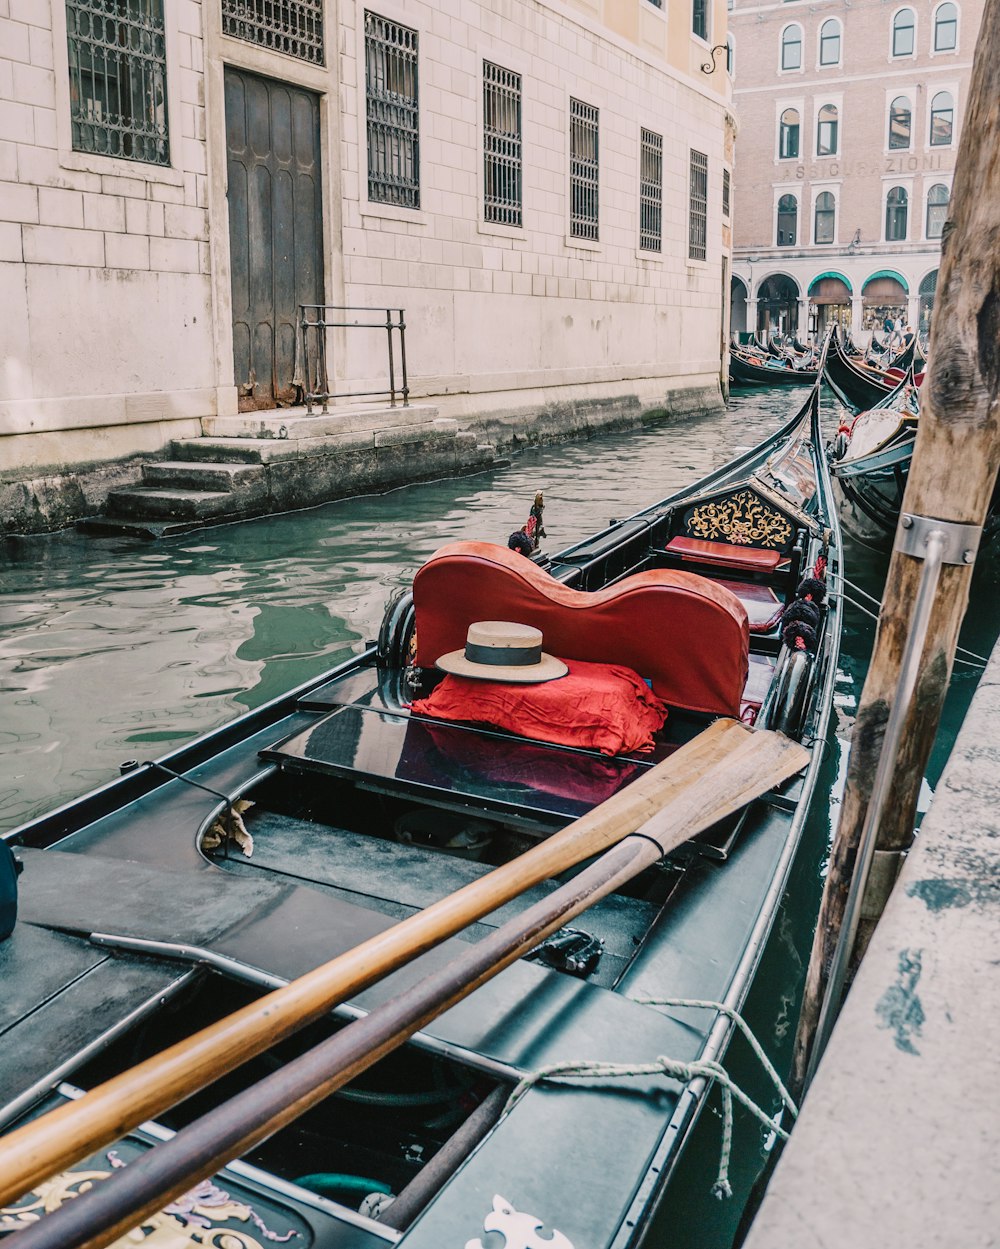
column 849, row 115
column 539, row 183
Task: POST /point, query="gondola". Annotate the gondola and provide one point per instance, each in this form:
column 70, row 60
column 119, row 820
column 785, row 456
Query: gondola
column 756, row 369
column 858, row 385
column 870, row 460
column 147, row 913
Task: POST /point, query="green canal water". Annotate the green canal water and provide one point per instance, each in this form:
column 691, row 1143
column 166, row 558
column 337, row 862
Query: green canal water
column 115, row 649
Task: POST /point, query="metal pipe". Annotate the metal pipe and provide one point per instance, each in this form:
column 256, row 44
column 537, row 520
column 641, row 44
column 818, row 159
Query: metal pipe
column 909, row 669
column 433, row 1177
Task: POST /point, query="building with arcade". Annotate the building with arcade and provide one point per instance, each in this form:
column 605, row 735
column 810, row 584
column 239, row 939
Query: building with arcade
column 849, row 124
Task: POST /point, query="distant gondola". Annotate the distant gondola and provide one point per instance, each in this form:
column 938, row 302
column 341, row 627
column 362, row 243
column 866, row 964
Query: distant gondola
column 758, row 370
column 862, row 386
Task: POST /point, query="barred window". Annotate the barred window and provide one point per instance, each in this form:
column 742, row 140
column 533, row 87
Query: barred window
column 118, row 78
column 698, row 207
column 294, row 27
column 584, row 168
column 391, row 93
column 725, row 192
column 650, row 191
column 501, row 145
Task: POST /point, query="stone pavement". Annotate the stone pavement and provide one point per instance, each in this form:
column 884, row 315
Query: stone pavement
column 899, row 1139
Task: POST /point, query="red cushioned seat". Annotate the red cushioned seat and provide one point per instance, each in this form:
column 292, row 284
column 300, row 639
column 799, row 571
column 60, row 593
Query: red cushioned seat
column 747, row 558
column 688, row 636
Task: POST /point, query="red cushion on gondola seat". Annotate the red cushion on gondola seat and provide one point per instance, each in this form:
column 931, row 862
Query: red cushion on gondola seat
column 601, row 707
column 747, row 558
column 688, row 636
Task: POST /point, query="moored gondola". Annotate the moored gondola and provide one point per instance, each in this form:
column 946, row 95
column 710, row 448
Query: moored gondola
column 858, row 385
column 377, row 798
column 870, row 459
column 752, row 368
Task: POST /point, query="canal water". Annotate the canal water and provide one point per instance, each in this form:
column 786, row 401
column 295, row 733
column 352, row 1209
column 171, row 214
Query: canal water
column 114, row 649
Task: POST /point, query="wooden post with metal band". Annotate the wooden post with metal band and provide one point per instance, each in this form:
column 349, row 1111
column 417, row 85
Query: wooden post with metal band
column 948, row 493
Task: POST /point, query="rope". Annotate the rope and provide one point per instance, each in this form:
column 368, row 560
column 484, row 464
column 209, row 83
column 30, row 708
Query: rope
column 973, row 661
column 685, row 1072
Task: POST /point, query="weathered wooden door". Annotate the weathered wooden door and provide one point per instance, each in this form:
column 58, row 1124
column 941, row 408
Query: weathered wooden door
column 275, row 229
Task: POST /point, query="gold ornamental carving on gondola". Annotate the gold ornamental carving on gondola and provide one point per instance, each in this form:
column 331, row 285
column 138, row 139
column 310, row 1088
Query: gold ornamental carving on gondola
column 743, row 519
column 201, row 1219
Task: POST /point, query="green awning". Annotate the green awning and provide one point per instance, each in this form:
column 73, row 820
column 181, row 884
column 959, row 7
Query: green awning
column 830, row 273
column 887, row 273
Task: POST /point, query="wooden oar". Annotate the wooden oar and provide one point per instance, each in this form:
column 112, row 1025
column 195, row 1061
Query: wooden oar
column 753, row 766
column 56, row 1140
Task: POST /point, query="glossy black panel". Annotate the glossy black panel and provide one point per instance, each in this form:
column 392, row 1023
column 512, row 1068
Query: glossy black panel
column 420, row 756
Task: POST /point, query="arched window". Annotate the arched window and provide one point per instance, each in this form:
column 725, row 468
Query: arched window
column 826, row 213
column 942, row 119
column 788, row 135
column 900, row 123
column 829, row 42
column 788, row 213
column 946, row 28
column 826, row 131
column 791, row 47
column 903, row 33
column 928, row 288
column 896, row 207
column 937, row 210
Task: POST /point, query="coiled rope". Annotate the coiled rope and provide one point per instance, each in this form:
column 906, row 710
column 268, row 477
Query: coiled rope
column 685, row 1072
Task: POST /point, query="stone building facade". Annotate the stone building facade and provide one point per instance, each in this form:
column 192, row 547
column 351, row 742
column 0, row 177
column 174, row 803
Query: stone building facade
column 850, row 112
column 538, row 183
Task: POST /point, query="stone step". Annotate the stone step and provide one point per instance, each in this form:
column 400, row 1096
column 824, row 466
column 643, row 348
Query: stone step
column 203, row 475
column 220, row 450
column 144, row 501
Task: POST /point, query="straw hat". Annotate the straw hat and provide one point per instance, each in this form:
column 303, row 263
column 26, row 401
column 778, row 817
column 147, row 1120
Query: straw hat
column 496, row 650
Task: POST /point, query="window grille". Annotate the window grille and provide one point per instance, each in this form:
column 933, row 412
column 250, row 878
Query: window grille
column 698, row 207
column 650, row 191
column 699, row 18
column 584, row 170
column 118, row 78
column 294, row 27
column 391, row 94
column 725, row 192
column 501, row 145
column 928, row 288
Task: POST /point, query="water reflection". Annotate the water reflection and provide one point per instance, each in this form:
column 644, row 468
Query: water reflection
column 112, row 649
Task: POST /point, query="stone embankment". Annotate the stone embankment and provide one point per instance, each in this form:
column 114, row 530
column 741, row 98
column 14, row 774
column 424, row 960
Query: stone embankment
column 261, row 463
column 898, row 1140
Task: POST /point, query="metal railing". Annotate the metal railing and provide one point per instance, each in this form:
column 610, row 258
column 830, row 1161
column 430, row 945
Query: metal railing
column 313, row 353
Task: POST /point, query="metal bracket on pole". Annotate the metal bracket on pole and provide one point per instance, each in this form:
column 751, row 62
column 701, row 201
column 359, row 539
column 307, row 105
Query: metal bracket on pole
column 936, row 542
column 959, row 542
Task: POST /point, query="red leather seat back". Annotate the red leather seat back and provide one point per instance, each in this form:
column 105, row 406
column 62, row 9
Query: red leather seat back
column 684, row 633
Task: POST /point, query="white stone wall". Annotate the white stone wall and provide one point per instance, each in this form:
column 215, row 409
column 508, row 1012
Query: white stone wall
column 491, row 308
column 115, row 306
column 105, row 295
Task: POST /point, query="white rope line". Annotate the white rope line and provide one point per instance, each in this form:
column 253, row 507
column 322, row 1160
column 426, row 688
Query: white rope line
column 685, row 1072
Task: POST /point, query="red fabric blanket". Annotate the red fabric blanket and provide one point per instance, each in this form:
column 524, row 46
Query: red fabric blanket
column 601, row 707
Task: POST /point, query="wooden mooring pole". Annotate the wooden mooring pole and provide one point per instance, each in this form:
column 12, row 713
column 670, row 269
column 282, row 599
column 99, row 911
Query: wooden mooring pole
column 951, row 480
